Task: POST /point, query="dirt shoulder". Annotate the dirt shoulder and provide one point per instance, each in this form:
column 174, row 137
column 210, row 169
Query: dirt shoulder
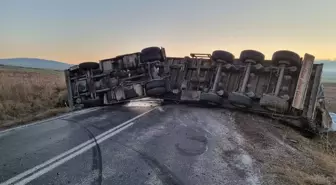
column 285, row 155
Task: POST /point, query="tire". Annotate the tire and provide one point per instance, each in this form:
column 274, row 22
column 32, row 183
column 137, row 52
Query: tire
column 155, row 84
column 240, row 100
column 290, row 58
column 88, row 65
column 274, row 103
column 219, row 55
column 151, row 54
column 211, row 98
column 91, row 103
column 97, row 72
column 157, row 91
column 252, row 55
column 187, row 59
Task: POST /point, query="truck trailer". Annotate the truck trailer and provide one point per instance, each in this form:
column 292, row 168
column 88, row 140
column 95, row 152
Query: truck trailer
column 287, row 87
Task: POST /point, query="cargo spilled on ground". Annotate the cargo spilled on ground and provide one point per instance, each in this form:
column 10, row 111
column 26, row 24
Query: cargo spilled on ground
column 28, row 95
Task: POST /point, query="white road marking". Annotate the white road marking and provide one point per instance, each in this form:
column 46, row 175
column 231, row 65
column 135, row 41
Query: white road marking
column 69, row 157
column 66, row 156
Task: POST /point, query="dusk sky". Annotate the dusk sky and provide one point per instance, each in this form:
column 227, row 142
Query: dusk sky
column 74, row 31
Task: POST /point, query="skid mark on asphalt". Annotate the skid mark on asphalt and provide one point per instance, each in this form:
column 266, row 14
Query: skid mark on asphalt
column 165, row 175
column 97, row 161
column 51, row 164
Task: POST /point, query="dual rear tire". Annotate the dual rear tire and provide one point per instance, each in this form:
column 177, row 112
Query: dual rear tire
column 156, row 88
column 240, row 99
column 275, row 103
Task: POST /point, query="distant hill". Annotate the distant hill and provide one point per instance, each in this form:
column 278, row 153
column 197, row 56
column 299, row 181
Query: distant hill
column 35, row 63
column 328, row 65
column 329, row 69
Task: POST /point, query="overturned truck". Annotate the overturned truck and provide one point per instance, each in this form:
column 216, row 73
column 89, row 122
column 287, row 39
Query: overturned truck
column 287, row 87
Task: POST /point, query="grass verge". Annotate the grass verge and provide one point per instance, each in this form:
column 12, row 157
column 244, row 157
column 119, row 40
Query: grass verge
column 30, row 95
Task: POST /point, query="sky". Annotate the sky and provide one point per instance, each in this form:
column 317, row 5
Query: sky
column 75, row 31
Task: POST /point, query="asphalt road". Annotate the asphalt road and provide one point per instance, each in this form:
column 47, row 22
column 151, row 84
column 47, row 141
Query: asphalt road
column 172, row 144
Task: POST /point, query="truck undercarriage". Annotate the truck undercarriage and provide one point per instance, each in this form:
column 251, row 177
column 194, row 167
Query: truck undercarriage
column 287, row 87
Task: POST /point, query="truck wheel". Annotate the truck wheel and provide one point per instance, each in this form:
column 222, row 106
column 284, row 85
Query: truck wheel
column 151, row 54
column 220, row 55
column 211, row 98
column 286, row 57
column 240, row 100
column 274, row 103
column 88, row 65
column 91, row 103
column 157, row 91
column 155, row 83
column 252, row 55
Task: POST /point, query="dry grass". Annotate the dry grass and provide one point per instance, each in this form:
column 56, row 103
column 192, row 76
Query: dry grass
column 30, row 95
column 315, row 164
column 285, row 156
column 287, row 174
column 317, row 156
